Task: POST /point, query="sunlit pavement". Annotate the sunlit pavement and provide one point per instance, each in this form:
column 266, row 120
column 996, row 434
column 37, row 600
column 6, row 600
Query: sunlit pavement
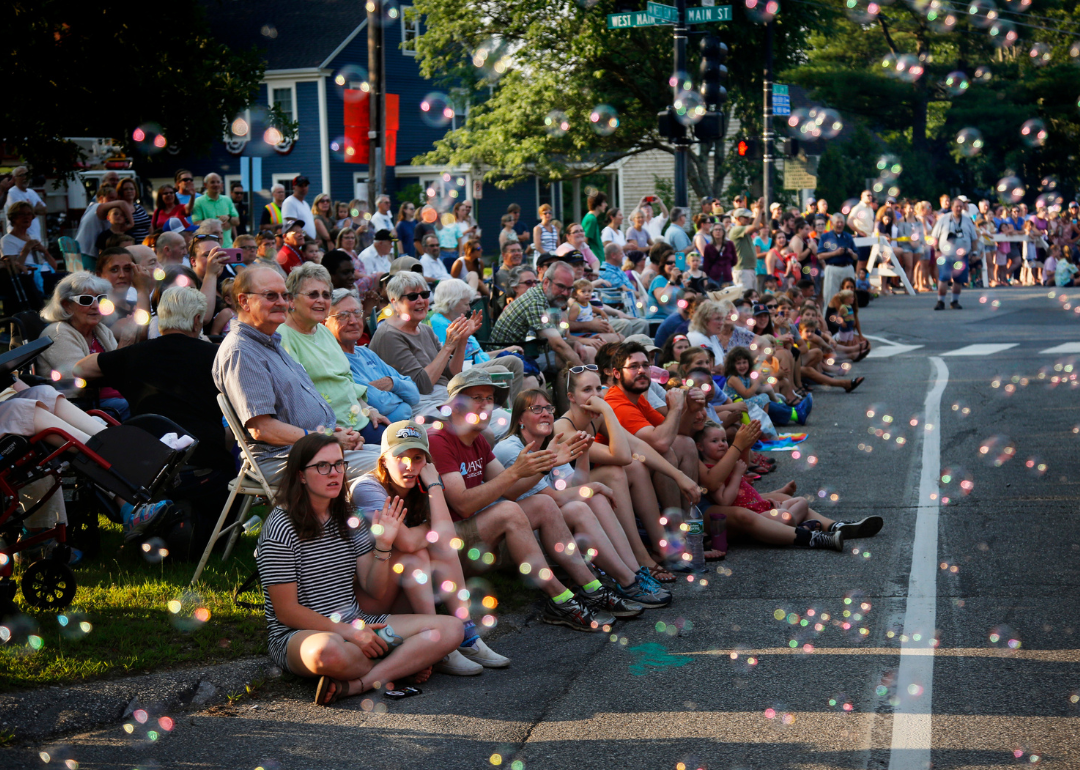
column 786, row 658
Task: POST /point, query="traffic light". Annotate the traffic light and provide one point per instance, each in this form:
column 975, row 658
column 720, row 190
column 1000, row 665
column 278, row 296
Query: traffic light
column 668, row 127
column 790, row 148
column 710, row 127
column 749, row 149
column 713, row 72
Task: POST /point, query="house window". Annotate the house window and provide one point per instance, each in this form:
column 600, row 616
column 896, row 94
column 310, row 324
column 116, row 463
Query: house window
column 410, row 30
column 460, row 102
column 284, row 98
column 283, row 179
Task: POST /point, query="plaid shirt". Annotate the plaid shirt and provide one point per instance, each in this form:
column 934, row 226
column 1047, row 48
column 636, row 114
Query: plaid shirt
column 528, row 314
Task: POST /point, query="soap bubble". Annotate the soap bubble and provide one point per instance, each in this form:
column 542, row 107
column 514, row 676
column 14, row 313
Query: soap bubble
column 909, row 68
column 1049, row 182
column 268, row 30
column 681, row 81
column 942, row 21
column 604, row 119
column 983, row 74
column 848, row 205
column 862, row 11
column 888, row 63
column 981, row 13
column 436, row 109
column 188, row 611
column 970, row 142
column 556, row 123
column 154, row 550
column 1018, row 5
column 956, row 480
column 148, row 138
column 1033, row 132
column 888, row 167
column 828, row 121
column 1039, row 53
column 689, row 107
column 1010, row 189
column 762, row 11
column 1003, row 33
column 73, row 625
column 956, row 83
column 1074, row 52
column 492, row 59
column 1052, row 200
column 351, row 83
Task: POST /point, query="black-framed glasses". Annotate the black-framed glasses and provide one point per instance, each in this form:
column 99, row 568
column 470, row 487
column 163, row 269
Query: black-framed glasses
column 314, row 295
column 770, row 307
column 271, row 296
column 186, row 179
column 562, row 286
column 86, row 300
column 412, row 296
column 539, row 410
column 576, row 370
column 529, row 283
column 207, row 237
column 325, row 467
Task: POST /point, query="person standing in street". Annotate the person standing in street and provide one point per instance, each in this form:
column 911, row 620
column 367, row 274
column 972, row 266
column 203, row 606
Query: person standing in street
column 954, row 236
column 742, row 235
column 837, row 252
column 590, row 223
column 213, row 205
column 294, row 207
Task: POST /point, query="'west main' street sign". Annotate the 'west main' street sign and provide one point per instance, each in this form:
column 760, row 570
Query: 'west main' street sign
column 632, row 19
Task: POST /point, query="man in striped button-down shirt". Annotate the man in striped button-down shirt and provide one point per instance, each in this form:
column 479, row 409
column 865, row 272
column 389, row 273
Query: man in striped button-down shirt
column 271, row 393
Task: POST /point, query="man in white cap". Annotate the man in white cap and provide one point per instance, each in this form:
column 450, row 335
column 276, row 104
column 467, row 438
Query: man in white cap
column 742, row 235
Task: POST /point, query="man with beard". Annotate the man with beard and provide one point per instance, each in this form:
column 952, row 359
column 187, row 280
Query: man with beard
column 668, row 435
column 954, row 236
column 531, row 315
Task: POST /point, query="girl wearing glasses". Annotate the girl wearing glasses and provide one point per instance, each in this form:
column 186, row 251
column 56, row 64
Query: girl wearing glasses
column 312, row 550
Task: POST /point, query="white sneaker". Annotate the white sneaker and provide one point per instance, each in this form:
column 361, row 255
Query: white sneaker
column 456, row 664
column 480, row 653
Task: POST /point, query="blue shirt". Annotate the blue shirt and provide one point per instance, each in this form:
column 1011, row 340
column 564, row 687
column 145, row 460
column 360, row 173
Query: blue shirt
column 405, row 231
column 473, row 352
column 616, row 277
column 657, row 307
column 678, row 238
column 367, row 367
column 831, row 241
column 672, row 325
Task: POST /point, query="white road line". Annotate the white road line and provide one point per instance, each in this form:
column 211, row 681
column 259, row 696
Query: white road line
column 888, row 351
column 980, row 350
column 911, row 736
column 1068, row 347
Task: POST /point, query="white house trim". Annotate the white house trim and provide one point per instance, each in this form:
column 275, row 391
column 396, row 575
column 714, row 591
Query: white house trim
column 345, row 42
column 303, row 73
column 324, row 141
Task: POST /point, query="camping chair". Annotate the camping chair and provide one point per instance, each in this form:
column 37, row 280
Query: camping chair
column 69, row 248
column 249, row 482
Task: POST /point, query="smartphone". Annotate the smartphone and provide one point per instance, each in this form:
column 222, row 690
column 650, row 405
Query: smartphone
column 680, row 261
column 234, row 255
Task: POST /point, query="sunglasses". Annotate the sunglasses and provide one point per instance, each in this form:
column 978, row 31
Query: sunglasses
column 187, row 179
column 412, row 296
column 271, row 296
column 207, row 237
column 577, row 370
column 314, row 295
column 86, row 300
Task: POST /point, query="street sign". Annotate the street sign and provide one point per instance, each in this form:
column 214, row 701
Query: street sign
column 662, row 12
column 633, row 19
column 781, row 101
column 800, row 174
column 707, row 14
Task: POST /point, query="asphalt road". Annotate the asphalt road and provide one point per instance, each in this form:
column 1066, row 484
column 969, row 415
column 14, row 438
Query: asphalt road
column 728, row 677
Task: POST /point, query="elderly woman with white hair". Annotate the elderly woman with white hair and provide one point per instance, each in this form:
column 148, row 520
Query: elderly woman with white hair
column 74, row 314
column 315, row 348
column 453, row 299
column 409, row 345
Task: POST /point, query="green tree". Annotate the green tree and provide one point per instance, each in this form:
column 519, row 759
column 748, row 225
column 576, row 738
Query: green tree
column 560, row 56
column 92, row 69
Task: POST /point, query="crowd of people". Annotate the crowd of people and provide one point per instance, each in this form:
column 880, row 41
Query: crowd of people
column 424, row 419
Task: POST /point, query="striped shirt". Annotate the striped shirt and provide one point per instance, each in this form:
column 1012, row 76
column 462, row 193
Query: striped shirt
column 322, row 568
column 142, row 222
column 259, row 377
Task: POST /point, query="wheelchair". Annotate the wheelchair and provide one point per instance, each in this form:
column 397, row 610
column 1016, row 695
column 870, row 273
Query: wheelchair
column 126, row 460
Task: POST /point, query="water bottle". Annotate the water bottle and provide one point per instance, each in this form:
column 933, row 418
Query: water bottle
column 695, row 533
column 386, row 633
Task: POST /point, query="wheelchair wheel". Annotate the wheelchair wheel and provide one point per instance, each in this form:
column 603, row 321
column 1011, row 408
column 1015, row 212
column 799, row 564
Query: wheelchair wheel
column 48, row 585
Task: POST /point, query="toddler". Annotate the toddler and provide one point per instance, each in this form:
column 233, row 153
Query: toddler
column 1050, row 265
column 746, row 383
column 862, row 283
column 695, row 279
column 579, row 309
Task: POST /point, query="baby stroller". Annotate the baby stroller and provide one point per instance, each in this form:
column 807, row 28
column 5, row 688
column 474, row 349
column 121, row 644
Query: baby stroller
column 128, row 461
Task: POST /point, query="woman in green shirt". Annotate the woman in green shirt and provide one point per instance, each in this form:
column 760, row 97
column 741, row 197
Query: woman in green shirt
column 315, row 348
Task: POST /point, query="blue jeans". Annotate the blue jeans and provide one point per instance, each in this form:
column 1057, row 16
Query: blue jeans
column 448, row 257
column 119, row 405
column 372, row 434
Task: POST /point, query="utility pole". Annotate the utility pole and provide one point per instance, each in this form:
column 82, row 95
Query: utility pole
column 767, row 132
column 376, row 102
column 682, row 142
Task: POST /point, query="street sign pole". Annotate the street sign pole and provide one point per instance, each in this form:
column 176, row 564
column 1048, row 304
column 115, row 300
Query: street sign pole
column 767, row 132
column 682, row 143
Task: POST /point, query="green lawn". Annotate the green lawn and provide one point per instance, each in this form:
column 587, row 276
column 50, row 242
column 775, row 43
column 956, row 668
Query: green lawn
column 125, row 599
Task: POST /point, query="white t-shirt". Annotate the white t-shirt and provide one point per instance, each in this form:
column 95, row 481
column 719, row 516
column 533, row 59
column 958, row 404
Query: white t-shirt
column 507, row 451
column 294, row 208
column 862, row 216
column 90, row 227
column 433, row 268
column 655, row 228
column 380, row 221
column 1049, row 267
column 14, row 196
column 12, row 247
column 613, row 235
column 373, row 261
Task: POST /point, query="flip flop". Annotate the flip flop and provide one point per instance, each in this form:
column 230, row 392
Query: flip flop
column 323, row 688
column 855, row 383
column 661, row 575
column 711, row 555
column 404, row 692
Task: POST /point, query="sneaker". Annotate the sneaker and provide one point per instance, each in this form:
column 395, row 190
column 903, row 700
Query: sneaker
column 143, row 518
column 940, row 305
column 802, row 409
column 955, row 305
column 573, row 614
column 605, row 601
column 650, row 584
column 478, row 652
column 456, row 664
column 833, row 540
column 650, row 600
column 867, row 527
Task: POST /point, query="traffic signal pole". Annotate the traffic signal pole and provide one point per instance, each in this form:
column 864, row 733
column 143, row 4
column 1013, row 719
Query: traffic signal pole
column 767, row 132
column 682, row 142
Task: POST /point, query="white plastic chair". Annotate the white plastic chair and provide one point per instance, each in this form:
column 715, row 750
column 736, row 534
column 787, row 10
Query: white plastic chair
column 250, row 482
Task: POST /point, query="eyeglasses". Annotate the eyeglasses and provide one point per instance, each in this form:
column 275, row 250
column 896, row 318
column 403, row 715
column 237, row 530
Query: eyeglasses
column 314, row 295
column 770, row 307
column 412, row 296
column 207, row 237
column 529, row 283
column 346, row 315
column 539, row 410
column 271, row 296
column 187, row 179
column 636, row 367
column 576, row 370
column 86, row 300
column 324, row 467
column 562, row 286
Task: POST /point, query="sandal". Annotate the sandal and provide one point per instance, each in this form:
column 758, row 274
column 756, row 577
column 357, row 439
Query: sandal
column 715, row 555
column 661, row 575
column 854, row 384
column 323, row 688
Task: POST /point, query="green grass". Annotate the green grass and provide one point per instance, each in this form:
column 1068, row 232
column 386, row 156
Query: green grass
column 125, row 600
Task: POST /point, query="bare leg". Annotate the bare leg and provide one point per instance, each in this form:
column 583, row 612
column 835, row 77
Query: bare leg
column 44, row 419
column 605, row 515
column 75, row 416
column 420, row 596
column 634, row 493
column 585, row 526
column 745, row 522
column 779, row 497
column 544, row 514
column 508, row 520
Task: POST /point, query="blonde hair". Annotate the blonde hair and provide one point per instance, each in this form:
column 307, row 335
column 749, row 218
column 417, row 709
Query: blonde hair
column 705, row 312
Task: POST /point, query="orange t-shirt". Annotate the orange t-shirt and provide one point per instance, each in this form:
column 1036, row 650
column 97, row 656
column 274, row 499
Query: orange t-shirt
column 633, row 415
